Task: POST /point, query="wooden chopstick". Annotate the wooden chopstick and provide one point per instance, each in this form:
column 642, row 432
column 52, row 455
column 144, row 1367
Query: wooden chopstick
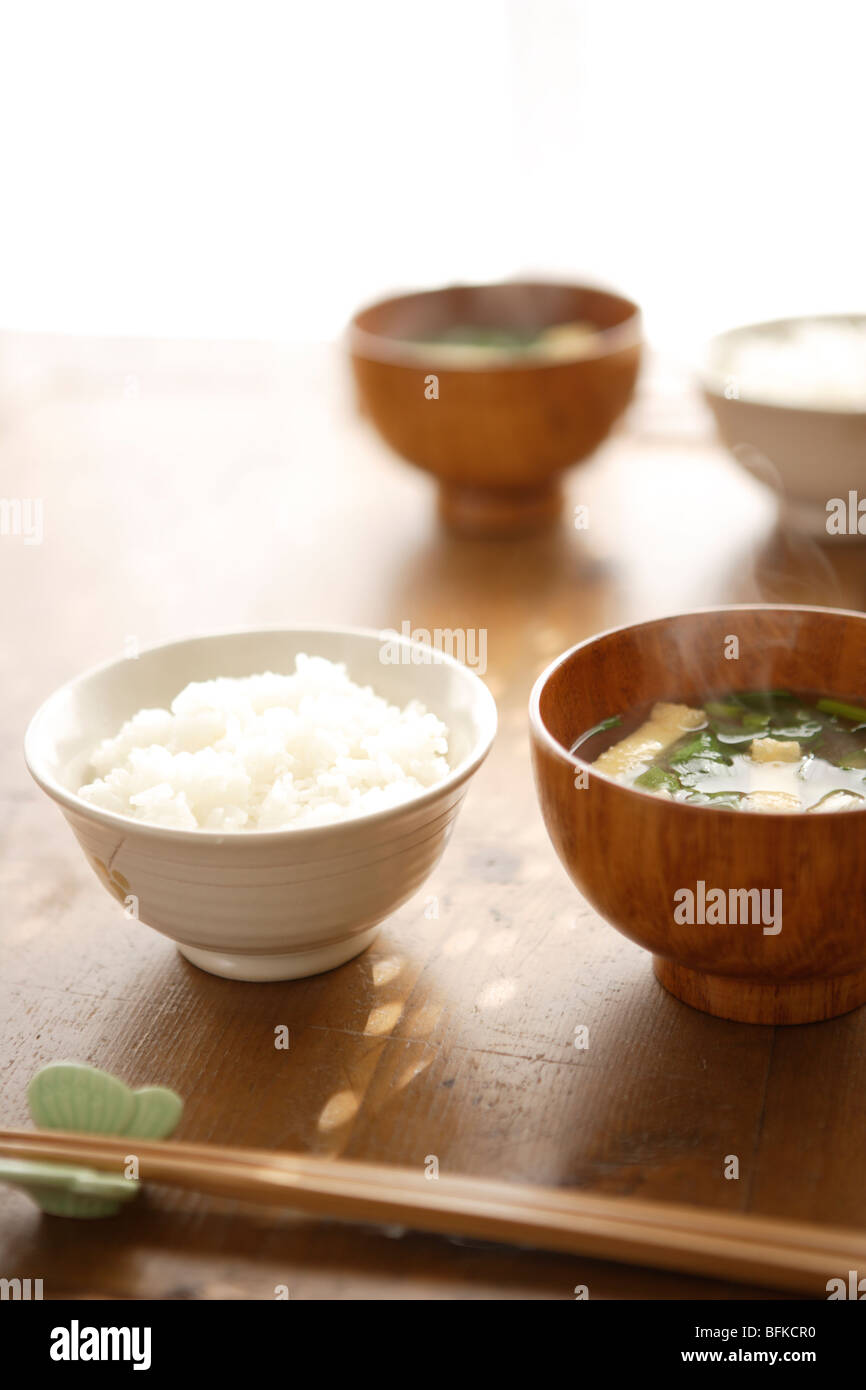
column 763, row 1251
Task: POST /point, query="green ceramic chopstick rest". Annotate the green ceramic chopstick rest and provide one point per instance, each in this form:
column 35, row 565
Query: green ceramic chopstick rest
column 74, row 1096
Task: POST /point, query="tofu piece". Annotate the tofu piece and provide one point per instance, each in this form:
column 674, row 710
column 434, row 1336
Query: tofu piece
column 775, row 750
column 771, row 801
column 664, row 726
column 568, row 340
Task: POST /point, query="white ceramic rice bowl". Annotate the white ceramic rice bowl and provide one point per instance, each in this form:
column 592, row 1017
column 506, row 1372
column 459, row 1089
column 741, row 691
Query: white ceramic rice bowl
column 273, row 904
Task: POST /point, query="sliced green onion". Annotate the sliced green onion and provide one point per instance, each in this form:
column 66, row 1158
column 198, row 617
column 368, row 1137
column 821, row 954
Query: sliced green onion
column 762, row 699
column 843, row 711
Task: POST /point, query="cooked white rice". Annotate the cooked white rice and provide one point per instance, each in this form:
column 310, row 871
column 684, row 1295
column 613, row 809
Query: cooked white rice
column 269, row 752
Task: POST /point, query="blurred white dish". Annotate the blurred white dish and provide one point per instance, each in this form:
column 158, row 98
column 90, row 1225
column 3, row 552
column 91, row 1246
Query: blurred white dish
column 793, row 417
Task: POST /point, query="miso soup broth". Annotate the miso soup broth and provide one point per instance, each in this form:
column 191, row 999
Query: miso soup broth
column 762, row 750
column 468, row 344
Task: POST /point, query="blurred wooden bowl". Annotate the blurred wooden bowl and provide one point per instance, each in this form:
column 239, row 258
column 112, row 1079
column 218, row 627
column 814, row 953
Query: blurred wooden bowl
column 629, row 851
column 497, row 436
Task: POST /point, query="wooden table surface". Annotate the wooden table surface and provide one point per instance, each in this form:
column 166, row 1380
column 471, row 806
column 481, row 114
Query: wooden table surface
column 195, row 487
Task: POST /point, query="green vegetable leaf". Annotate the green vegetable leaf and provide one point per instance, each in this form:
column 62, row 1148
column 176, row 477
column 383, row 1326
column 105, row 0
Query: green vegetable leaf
column 655, row 778
column 599, row 728
column 704, row 744
column 732, row 799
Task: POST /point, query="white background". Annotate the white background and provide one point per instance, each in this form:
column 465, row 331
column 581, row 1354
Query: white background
column 257, row 169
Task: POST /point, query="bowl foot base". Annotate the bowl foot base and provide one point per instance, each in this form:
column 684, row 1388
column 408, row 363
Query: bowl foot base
column 752, row 1001
column 295, row 965
column 499, row 511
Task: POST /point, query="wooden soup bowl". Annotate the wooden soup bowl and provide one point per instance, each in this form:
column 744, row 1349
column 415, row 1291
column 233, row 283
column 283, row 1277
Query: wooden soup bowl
column 497, row 437
column 629, row 851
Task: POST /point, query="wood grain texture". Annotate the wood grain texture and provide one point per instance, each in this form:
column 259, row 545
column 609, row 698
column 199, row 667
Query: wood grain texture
column 194, row 487
column 792, row 1255
column 630, row 854
column 497, row 438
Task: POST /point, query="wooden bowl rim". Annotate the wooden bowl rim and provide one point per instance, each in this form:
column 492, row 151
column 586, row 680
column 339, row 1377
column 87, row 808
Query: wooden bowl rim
column 544, row 738
column 380, row 347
